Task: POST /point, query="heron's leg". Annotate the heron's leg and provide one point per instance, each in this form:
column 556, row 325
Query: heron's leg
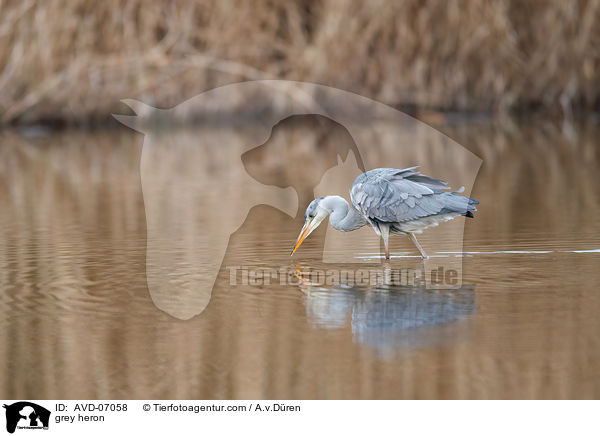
column 385, row 234
column 414, row 239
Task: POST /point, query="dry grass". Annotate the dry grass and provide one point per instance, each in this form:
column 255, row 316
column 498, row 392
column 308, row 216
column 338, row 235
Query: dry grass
column 74, row 59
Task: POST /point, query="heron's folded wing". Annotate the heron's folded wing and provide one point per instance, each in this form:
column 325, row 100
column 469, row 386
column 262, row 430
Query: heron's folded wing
column 392, row 195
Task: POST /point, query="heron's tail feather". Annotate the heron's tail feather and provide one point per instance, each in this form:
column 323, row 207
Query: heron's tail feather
column 471, row 208
column 456, row 203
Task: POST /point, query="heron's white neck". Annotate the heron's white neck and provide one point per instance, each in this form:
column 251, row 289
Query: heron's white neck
column 342, row 217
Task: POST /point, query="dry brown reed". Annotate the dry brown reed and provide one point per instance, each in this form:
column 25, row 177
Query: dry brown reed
column 75, row 59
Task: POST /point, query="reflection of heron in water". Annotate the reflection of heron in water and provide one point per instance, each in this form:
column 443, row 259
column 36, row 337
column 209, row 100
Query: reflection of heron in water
column 387, row 318
column 393, row 201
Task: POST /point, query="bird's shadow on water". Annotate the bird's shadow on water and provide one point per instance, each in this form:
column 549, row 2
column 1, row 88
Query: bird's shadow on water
column 392, row 318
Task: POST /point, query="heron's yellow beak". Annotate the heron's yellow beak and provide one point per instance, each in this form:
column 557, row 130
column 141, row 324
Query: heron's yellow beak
column 307, row 229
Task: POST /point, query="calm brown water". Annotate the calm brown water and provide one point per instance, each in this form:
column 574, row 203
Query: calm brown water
column 78, row 320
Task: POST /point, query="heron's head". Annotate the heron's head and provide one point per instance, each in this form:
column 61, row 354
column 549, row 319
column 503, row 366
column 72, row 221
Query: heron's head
column 315, row 213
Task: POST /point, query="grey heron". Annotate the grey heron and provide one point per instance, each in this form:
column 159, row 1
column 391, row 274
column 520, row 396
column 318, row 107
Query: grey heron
column 393, row 201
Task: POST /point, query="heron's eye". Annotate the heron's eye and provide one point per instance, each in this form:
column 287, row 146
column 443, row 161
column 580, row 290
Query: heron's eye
column 311, row 215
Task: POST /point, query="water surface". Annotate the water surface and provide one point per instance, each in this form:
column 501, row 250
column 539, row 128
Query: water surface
column 78, row 320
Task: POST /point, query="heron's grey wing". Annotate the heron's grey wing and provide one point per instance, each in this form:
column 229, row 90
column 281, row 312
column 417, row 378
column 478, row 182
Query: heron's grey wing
column 396, row 196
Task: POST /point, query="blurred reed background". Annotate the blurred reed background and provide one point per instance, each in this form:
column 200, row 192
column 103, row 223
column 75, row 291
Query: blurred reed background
column 74, row 60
